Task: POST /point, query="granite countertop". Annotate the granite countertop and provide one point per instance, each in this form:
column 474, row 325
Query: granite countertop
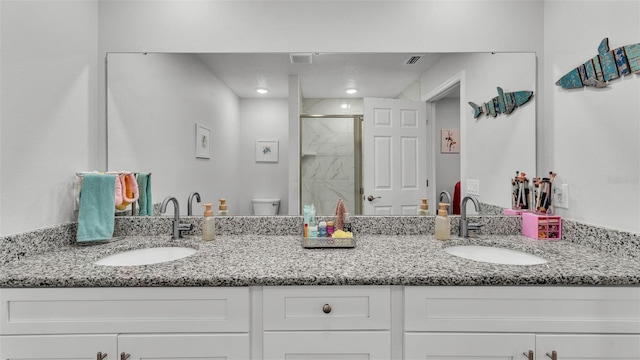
column 248, row 260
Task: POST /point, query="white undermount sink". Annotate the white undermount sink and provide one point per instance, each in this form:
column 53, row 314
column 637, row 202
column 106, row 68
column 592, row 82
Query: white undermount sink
column 494, row 255
column 146, row 256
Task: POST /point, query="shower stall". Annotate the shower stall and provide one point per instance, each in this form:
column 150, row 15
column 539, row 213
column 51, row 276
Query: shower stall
column 330, row 162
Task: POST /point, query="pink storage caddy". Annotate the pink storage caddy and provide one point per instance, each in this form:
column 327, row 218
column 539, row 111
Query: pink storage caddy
column 542, row 227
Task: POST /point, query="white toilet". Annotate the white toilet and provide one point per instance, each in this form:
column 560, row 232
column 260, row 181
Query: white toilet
column 266, row 206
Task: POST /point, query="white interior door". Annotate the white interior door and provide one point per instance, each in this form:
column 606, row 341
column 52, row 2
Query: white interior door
column 394, row 156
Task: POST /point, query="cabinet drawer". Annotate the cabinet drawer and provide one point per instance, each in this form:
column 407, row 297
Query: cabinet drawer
column 523, row 309
column 326, row 345
column 114, row 310
column 327, row 308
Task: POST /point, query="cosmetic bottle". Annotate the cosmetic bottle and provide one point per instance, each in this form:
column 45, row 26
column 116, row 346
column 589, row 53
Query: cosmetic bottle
column 322, row 229
column 330, row 228
column 222, row 209
column 424, row 208
column 313, row 231
column 443, row 223
column 346, row 226
column 208, row 224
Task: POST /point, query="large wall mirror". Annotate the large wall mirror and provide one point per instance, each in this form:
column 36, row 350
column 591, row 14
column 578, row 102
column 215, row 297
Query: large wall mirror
column 156, row 102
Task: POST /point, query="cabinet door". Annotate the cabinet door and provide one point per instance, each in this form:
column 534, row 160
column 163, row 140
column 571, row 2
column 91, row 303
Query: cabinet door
column 466, row 346
column 591, row 347
column 327, row 345
column 69, row 347
column 185, row 346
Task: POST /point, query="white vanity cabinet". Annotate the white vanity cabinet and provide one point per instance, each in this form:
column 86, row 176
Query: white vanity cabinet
column 80, row 323
column 328, row 322
column 508, row 322
column 77, row 347
column 322, row 322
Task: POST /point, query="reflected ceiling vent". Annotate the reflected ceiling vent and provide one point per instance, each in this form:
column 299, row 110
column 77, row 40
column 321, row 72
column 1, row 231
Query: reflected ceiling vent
column 301, row 58
column 413, row 59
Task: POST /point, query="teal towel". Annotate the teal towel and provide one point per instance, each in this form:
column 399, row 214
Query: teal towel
column 96, row 215
column 144, row 199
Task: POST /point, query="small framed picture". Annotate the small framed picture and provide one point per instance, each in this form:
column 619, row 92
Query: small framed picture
column 203, row 142
column 450, row 140
column 266, row 150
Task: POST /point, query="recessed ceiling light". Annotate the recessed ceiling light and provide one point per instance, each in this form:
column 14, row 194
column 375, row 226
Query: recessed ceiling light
column 262, row 91
column 352, row 91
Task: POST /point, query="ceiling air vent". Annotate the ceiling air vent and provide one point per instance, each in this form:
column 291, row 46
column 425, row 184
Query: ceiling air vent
column 413, row 59
column 301, row 58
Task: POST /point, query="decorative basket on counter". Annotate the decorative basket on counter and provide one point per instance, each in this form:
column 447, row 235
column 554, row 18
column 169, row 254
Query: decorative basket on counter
column 328, row 243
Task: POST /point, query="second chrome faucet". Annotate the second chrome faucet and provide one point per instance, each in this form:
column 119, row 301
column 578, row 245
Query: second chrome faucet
column 178, row 228
column 465, row 225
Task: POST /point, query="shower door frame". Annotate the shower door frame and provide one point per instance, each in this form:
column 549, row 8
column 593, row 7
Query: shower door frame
column 357, row 154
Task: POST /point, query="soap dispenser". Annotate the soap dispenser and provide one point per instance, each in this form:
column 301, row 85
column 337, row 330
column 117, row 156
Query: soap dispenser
column 222, row 209
column 208, row 224
column 443, row 223
column 424, row 208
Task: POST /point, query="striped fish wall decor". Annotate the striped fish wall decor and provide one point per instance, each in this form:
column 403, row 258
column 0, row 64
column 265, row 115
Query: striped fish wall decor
column 607, row 65
column 504, row 103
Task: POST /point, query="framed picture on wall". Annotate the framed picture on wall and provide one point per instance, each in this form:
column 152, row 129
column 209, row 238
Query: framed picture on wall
column 203, row 142
column 266, row 150
column 450, row 140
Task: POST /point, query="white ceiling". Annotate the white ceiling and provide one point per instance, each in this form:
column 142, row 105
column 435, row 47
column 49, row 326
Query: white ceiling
column 328, row 75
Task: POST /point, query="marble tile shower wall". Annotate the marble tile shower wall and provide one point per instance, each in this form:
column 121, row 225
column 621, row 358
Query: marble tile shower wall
column 17, row 246
column 327, row 147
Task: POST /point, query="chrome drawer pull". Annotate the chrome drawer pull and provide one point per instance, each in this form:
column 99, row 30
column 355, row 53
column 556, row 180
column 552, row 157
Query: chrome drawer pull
column 326, row 308
column 529, row 355
column 101, row 355
column 553, row 355
column 124, row 356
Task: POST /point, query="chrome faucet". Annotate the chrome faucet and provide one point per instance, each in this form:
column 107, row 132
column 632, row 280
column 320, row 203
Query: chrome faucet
column 177, row 227
column 446, row 195
column 465, row 226
column 190, row 201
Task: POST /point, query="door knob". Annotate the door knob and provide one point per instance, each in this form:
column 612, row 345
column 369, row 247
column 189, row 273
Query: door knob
column 371, row 197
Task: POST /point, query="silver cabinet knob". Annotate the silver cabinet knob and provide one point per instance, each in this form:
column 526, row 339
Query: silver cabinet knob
column 326, row 308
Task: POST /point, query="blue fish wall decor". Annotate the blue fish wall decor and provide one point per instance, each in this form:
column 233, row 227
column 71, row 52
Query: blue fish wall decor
column 607, row 65
column 504, row 103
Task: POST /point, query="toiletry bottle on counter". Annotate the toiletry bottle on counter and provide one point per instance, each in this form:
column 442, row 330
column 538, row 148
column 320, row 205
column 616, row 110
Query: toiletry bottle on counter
column 424, row 208
column 322, row 229
column 208, row 224
column 346, row 225
column 313, row 231
column 330, row 228
column 222, row 209
column 443, row 223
